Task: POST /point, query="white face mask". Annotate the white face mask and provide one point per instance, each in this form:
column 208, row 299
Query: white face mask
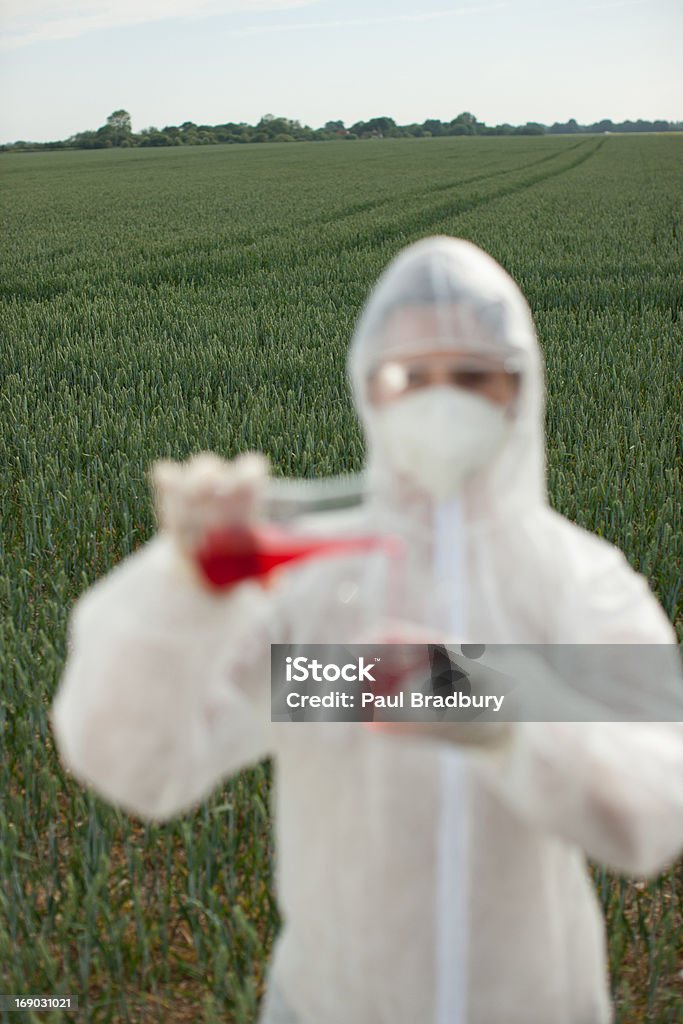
column 439, row 436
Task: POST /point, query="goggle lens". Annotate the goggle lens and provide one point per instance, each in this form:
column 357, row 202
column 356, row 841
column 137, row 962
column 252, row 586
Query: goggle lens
column 393, row 379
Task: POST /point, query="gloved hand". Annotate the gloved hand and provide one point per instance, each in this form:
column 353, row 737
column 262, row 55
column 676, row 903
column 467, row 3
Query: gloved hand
column 489, row 733
column 206, row 491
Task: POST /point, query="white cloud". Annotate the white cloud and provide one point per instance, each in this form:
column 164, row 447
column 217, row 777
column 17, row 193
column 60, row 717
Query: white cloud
column 389, row 19
column 613, row 4
column 23, row 22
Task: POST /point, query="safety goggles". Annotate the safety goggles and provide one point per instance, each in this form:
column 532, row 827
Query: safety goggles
column 491, row 378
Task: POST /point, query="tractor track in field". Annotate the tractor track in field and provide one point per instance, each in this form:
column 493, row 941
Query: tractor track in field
column 373, row 205
column 424, row 220
column 242, row 257
column 262, row 253
column 254, row 254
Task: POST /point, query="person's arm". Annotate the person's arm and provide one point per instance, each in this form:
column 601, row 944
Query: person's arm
column 166, row 685
column 613, row 788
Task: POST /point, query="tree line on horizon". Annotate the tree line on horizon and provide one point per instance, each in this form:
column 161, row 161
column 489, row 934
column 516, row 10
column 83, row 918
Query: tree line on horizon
column 117, row 131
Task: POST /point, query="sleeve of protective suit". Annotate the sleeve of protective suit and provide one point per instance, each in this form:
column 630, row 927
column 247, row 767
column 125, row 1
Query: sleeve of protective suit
column 613, row 788
column 166, row 685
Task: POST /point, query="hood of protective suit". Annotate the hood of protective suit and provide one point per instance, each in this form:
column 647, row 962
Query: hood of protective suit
column 478, row 308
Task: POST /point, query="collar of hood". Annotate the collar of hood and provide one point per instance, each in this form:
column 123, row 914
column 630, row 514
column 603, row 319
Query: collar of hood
column 482, row 310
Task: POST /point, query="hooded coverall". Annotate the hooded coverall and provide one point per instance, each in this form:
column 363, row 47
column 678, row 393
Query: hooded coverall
column 418, row 881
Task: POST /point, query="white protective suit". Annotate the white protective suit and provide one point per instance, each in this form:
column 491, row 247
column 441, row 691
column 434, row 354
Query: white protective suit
column 421, row 882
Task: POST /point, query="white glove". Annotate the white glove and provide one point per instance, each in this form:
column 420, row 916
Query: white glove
column 203, row 493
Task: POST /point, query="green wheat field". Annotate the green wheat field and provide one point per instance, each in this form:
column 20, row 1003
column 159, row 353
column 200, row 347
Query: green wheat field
column 159, row 303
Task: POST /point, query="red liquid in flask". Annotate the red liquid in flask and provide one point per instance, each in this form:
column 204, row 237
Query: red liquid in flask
column 230, row 555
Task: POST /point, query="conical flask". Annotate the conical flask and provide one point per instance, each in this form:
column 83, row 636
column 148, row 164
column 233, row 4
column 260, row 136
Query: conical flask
column 254, row 549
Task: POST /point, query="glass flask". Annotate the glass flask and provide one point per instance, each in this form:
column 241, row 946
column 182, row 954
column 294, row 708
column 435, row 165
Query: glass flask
column 254, row 549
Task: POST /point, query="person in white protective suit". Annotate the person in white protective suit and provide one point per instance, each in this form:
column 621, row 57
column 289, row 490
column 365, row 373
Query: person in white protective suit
column 424, row 873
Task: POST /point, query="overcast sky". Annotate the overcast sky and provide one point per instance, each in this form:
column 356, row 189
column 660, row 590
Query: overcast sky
column 65, row 65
